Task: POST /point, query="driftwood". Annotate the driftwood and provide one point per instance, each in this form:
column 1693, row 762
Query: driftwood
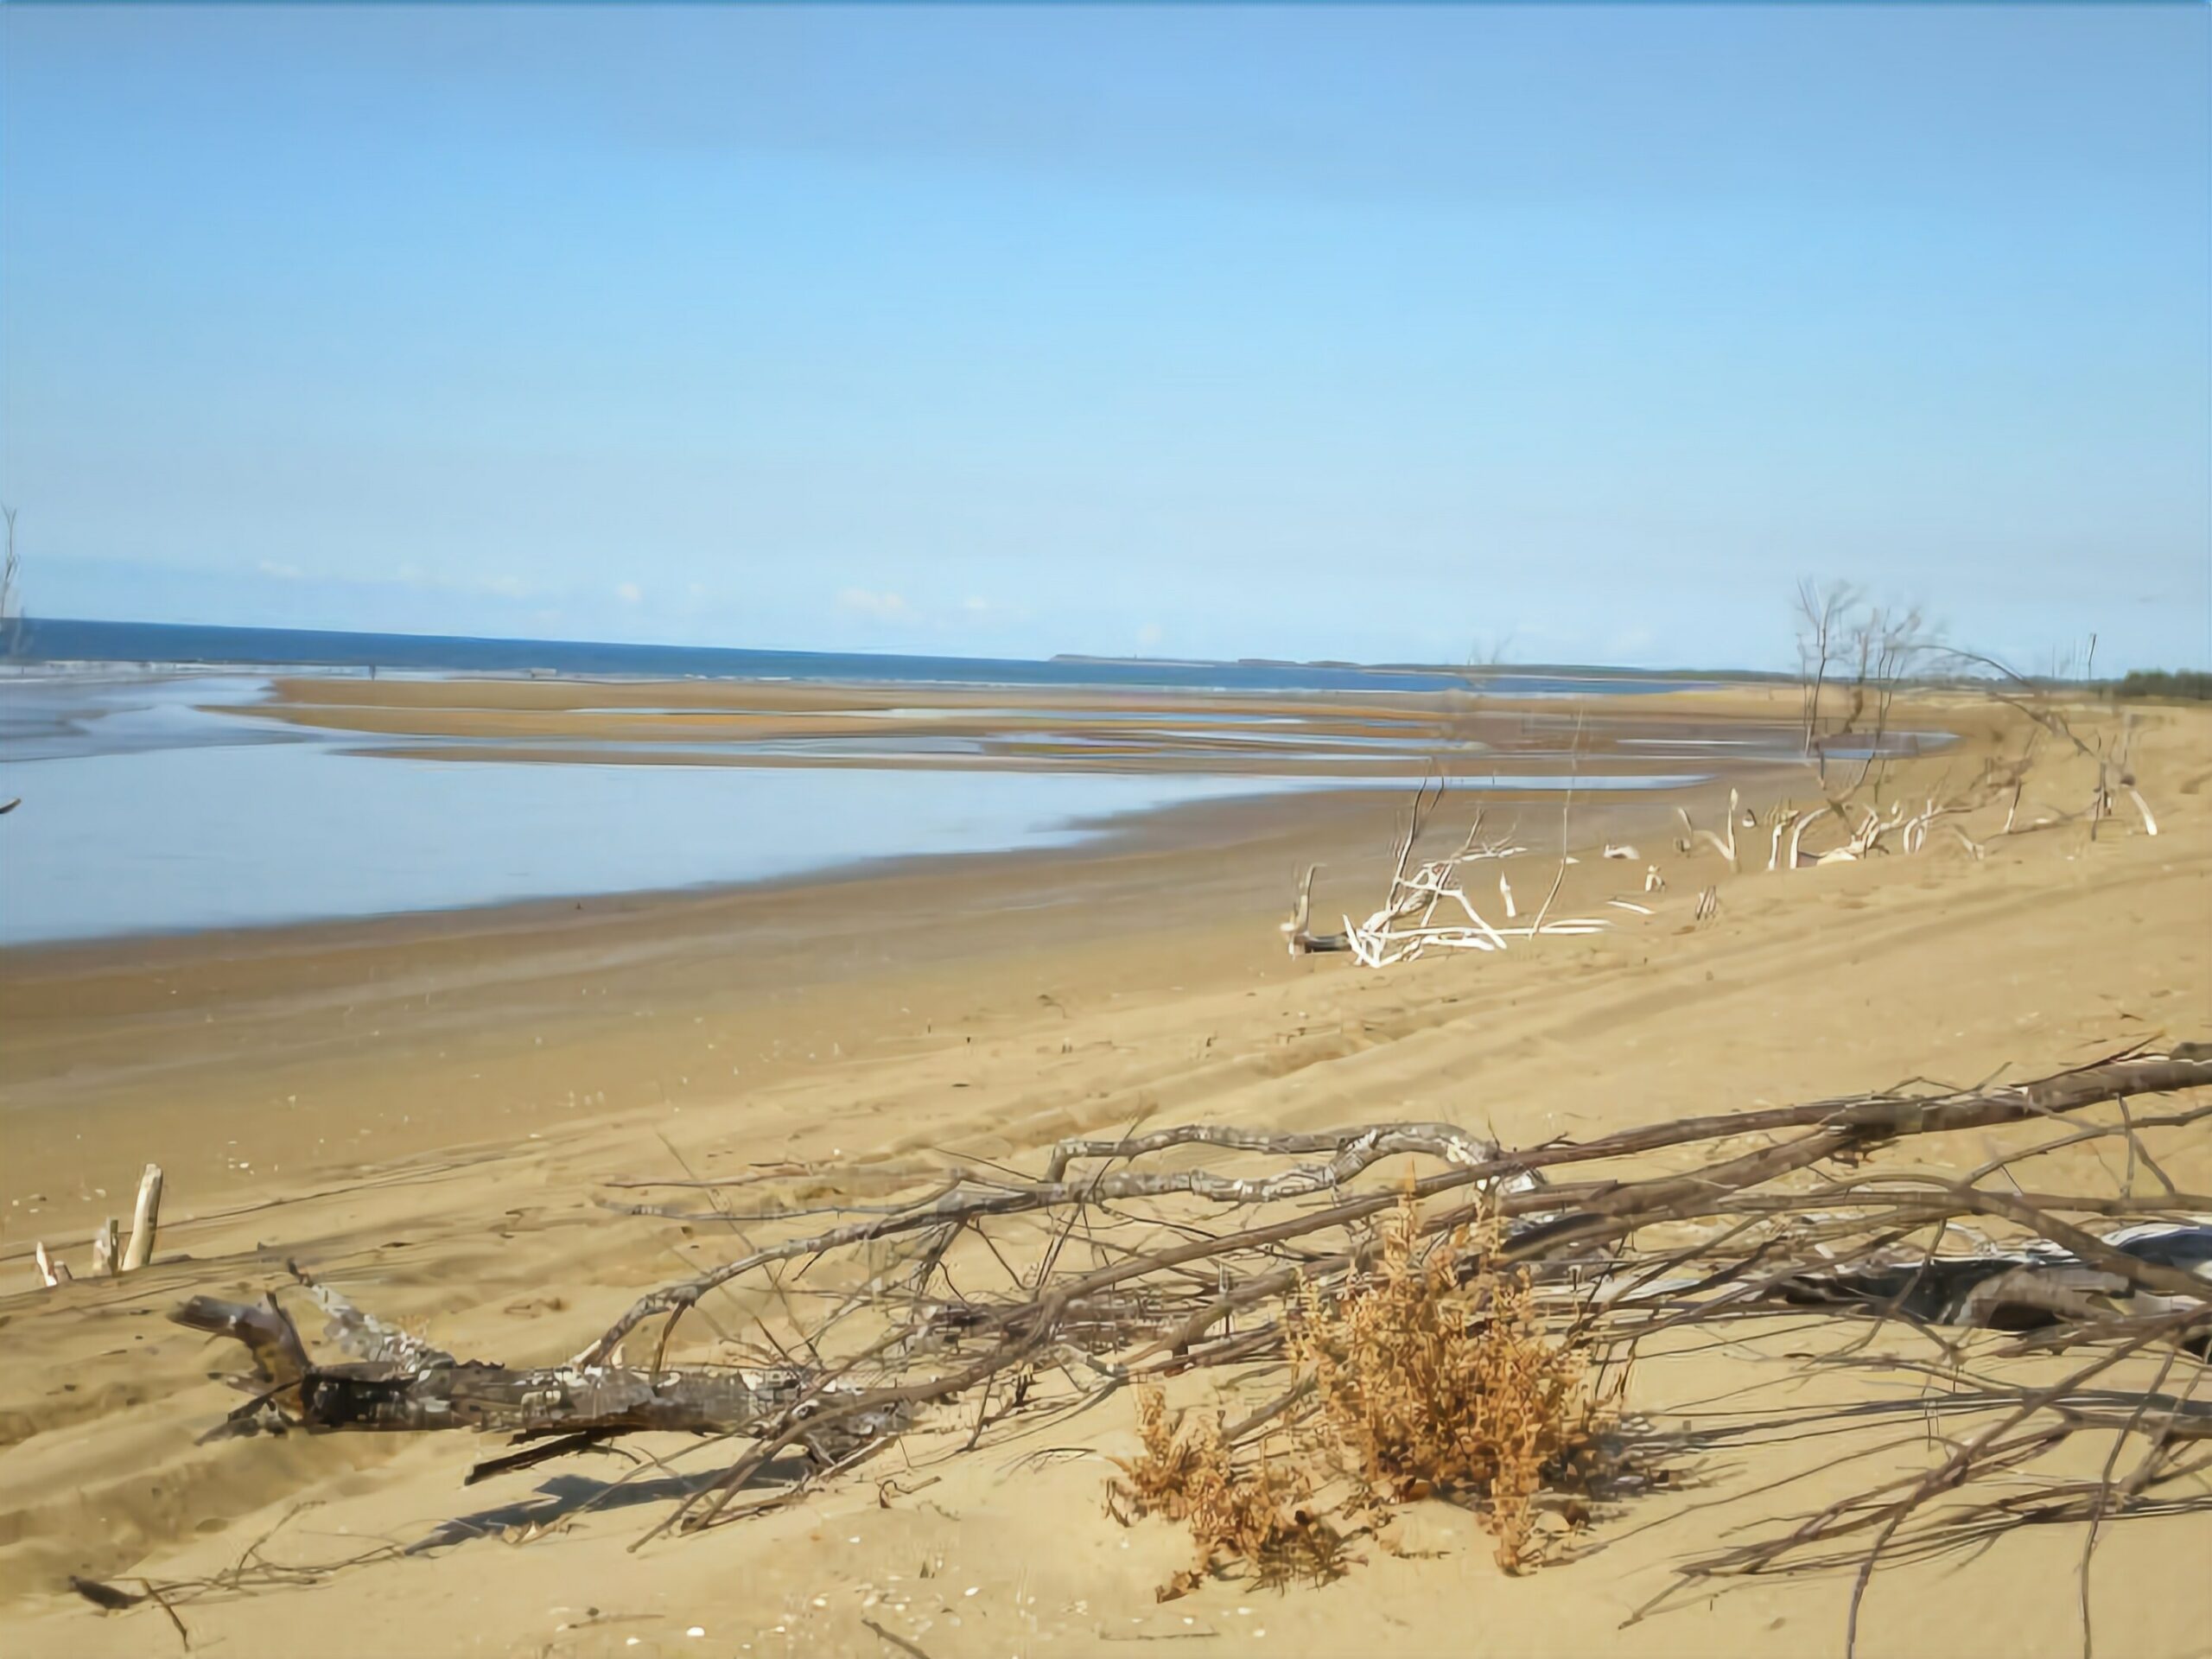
column 2109, row 755
column 1299, row 929
column 1135, row 1271
column 1353, row 1149
column 1867, row 831
column 144, row 1221
column 1409, row 925
column 1724, row 845
column 1511, row 1181
column 110, row 1258
column 2016, row 1289
column 473, row 1394
column 397, row 1382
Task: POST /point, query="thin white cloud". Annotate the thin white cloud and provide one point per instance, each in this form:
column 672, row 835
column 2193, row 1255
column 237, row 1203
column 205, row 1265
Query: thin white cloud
column 862, row 601
column 629, row 593
column 281, row 572
column 411, row 575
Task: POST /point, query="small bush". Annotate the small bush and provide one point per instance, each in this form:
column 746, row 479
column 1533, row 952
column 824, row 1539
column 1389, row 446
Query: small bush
column 1425, row 1387
column 1261, row 1514
column 1429, row 1386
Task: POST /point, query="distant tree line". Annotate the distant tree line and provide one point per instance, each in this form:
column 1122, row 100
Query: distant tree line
column 2193, row 683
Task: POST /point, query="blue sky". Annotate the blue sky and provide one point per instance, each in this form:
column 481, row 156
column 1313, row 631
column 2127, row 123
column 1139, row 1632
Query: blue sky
column 1236, row 331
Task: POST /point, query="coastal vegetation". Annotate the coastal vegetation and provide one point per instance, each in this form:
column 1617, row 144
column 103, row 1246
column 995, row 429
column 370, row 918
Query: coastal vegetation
column 2186, row 685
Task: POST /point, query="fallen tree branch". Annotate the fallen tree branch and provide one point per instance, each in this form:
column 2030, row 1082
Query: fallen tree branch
column 1167, row 1289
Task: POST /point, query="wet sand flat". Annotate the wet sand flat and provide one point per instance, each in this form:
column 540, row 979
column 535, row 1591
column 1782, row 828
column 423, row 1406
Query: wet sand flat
column 1617, row 728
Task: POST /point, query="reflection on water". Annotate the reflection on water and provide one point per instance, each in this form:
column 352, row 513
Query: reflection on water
column 58, row 717
column 168, row 839
column 143, row 813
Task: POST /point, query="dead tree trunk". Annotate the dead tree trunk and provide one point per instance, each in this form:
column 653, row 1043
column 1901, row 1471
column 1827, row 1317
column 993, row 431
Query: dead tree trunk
column 433, row 1391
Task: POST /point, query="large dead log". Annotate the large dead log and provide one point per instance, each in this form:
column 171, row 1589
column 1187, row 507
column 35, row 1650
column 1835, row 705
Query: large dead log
column 432, row 1390
column 1154, row 1308
column 1806, row 1221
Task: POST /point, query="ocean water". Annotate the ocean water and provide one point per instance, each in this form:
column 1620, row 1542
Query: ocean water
column 63, row 640
column 223, row 822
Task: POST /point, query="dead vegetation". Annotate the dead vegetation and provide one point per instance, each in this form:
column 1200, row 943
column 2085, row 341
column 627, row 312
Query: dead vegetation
column 1427, row 907
column 1258, row 1511
column 1448, row 1335
column 1417, row 1383
column 1430, row 1386
column 1873, row 658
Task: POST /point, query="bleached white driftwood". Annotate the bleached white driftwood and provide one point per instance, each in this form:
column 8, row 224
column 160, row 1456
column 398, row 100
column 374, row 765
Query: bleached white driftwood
column 1408, row 923
column 106, row 1249
column 144, row 1220
column 1691, row 835
column 51, row 1273
column 1869, row 839
column 1797, row 828
column 1911, row 832
column 1774, row 852
column 1297, row 932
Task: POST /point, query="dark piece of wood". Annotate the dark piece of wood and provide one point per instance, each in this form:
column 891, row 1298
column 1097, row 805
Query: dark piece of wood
column 106, row 1597
column 538, row 1451
column 279, row 1358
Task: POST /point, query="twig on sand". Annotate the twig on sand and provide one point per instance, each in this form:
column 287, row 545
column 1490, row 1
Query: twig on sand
column 896, row 1640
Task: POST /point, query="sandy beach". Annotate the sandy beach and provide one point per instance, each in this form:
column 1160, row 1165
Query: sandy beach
column 983, row 832
column 425, row 1109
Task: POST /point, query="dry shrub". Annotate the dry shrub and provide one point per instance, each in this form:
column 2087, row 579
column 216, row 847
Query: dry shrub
column 1261, row 1514
column 1430, row 1386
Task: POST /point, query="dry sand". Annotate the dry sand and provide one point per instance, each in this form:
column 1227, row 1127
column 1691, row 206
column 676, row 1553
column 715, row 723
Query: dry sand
column 419, row 1109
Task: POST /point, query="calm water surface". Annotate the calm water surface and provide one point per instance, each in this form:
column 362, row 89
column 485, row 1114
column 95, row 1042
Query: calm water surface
column 144, row 812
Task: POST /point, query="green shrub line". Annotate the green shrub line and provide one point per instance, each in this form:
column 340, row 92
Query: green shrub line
column 2194, row 684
